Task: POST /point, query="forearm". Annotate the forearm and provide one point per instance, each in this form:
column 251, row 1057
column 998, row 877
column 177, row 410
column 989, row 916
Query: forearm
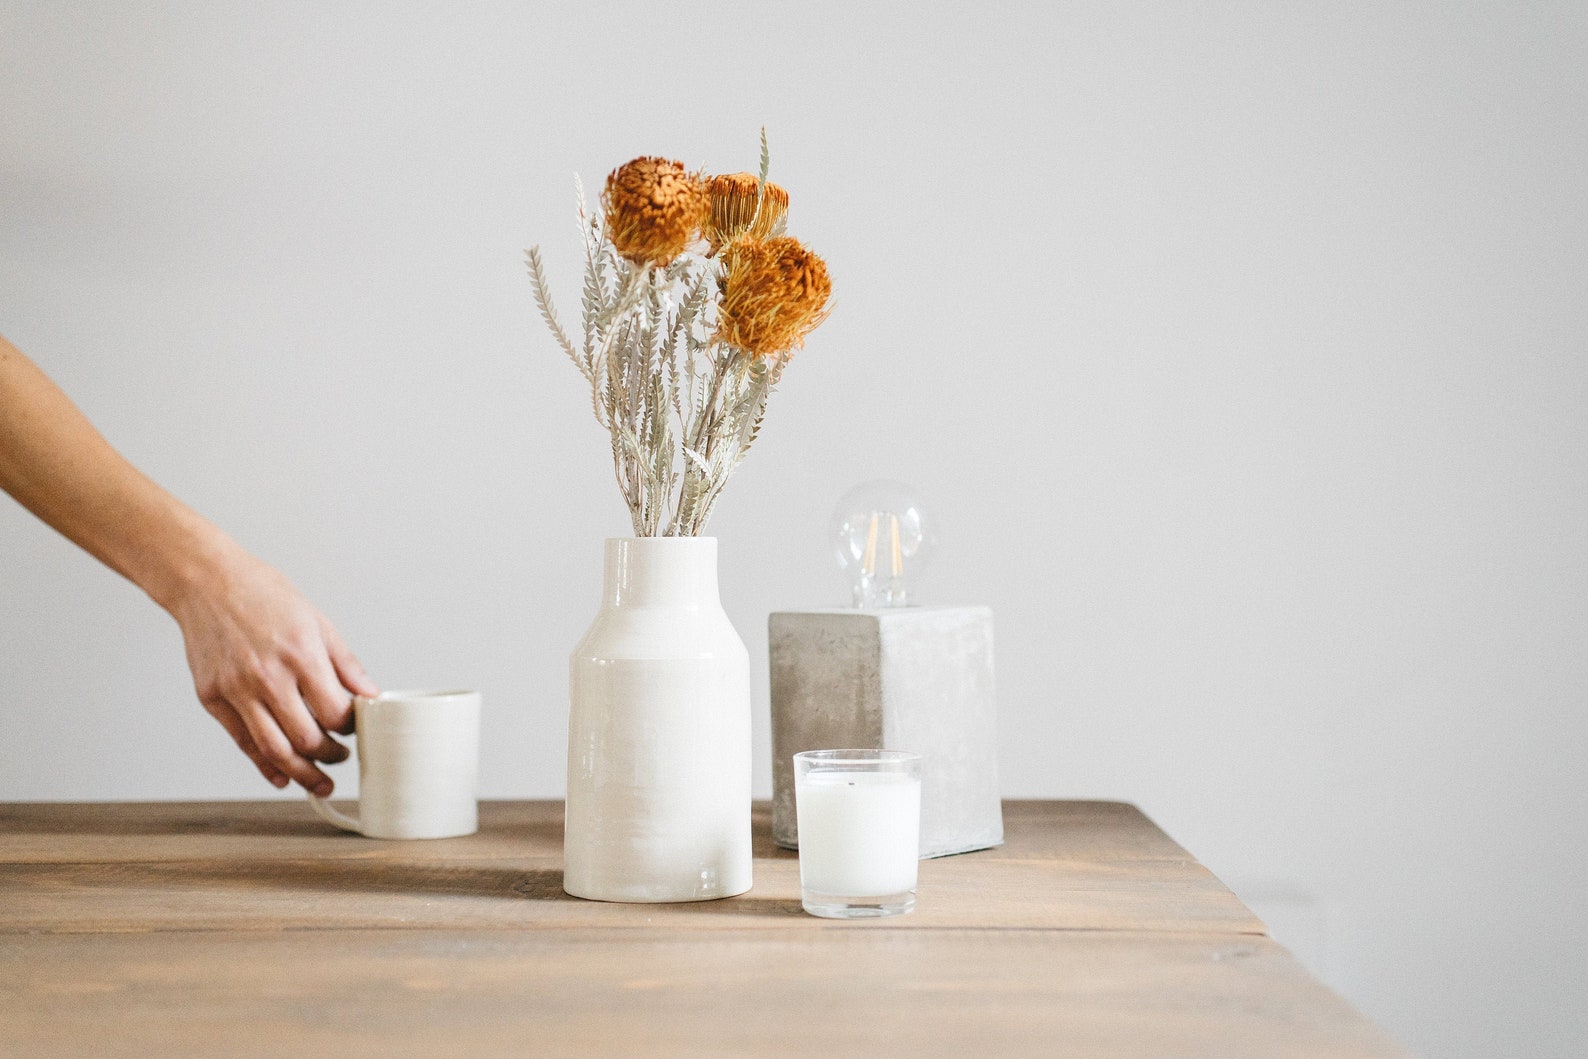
column 57, row 465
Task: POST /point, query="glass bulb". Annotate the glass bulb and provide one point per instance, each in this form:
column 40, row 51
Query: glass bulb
column 882, row 538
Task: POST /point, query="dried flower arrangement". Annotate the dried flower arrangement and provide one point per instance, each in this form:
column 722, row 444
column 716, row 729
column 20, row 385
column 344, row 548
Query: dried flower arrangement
column 694, row 302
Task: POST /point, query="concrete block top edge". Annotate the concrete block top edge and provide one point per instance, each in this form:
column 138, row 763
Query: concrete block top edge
column 883, row 613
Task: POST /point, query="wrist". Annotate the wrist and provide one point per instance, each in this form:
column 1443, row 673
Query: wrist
column 188, row 562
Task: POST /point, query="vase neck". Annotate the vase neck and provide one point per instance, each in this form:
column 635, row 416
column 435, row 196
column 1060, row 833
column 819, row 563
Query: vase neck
column 657, row 571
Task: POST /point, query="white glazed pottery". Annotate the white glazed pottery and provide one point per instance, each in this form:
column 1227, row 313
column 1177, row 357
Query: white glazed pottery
column 418, row 766
column 659, row 733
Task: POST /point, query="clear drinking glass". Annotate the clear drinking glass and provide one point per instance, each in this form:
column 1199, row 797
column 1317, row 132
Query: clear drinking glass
column 859, row 814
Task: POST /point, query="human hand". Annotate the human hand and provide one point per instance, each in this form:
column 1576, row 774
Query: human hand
column 270, row 668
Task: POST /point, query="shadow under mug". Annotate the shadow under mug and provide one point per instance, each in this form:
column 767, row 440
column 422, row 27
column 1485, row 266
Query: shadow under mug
column 418, row 766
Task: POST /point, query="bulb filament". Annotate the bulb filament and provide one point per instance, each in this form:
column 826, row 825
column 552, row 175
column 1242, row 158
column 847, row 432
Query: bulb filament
column 868, row 563
column 898, row 559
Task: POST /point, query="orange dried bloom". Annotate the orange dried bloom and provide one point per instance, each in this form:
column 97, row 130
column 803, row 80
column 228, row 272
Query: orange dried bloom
column 774, row 294
column 654, row 208
column 733, row 198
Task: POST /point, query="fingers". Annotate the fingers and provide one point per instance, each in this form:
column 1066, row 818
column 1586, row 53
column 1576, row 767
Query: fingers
column 304, row 732
column 229, row 720
column 280, row 736
column 323, row 694
column 278, row 747
column 286, row 732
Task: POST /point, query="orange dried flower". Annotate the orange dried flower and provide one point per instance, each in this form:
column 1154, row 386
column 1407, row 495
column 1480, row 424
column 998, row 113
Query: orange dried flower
column 774, row 294
column 733, row 198
column 654, row 208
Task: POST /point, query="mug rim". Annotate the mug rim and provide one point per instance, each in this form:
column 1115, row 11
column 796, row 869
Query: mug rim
column 414, row 695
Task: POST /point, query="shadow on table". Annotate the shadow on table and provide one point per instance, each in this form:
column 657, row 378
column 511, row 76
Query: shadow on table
column 247, row 820
column 426, row 880
column 229, row 878
column 111, row 819
column 534, row 884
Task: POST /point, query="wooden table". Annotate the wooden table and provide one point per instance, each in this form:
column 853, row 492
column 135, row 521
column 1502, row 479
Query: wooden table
column 251, row 928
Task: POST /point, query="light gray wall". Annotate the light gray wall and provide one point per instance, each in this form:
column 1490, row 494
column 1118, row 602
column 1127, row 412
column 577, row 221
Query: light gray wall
column 1241, row 350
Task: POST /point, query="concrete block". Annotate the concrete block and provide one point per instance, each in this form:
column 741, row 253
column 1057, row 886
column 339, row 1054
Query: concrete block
column 902, row 678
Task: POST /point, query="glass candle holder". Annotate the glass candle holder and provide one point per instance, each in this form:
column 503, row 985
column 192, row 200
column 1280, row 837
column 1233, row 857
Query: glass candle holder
column 859, row 815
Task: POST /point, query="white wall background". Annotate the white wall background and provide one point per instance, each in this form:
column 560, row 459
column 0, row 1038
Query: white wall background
column 1242, row 350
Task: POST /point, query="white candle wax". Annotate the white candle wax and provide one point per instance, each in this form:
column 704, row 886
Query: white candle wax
column 859, row 832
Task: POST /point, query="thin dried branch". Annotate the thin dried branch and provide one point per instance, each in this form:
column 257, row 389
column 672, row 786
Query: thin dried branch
column 760, row 180
column 548, row 312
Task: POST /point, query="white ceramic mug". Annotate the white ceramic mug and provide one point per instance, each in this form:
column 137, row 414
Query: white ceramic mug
column 418, row 765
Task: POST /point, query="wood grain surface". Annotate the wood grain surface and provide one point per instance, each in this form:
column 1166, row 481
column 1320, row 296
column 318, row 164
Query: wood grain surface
column 254, row 929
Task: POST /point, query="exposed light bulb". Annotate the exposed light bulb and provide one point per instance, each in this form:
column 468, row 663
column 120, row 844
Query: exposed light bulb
column 882, row 538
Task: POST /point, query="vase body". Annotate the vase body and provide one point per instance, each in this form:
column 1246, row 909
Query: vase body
column 659, row 733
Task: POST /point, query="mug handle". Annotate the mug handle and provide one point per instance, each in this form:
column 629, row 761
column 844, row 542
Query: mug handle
column 326, row 810
column 333, row 815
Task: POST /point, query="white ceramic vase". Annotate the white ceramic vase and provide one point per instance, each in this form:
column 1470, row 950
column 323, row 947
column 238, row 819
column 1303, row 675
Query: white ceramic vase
column 659, row 733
